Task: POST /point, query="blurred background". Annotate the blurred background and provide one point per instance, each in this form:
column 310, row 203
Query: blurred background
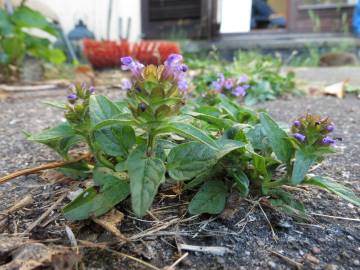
column 59, row 39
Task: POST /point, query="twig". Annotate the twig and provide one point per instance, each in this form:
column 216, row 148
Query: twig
column 152, row 230
column 171, row 267
column 268, row 221
column 289, row 260
column 42, row 167
column 336, row 217
column 104, row 247
column 27, row 200
column 219, row 251
column 44, row 215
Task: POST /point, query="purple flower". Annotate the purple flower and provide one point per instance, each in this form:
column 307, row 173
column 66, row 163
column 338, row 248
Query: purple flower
column 239, row 91
column 182, row 85
column 330, row 127
column 242, row 79
column 229, row 84
column 328, row 141
column 173, row 59
column 297, row 123
column 127, row 61
column 217, row 86
column 183, row 67
column 174, row 68
column 221, row 78
column 72, row 97
column 300, row 137
column 126, row 84
column 91, row 90
column 83, row 85
column 72, row 87
column 135, row 67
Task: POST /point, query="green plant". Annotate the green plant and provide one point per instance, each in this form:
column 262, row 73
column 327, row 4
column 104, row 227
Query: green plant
column 17, row 40
column 221, row 149
column 265, row 80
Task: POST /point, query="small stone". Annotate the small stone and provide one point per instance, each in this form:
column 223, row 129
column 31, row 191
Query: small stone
column 247, row 253
column 312, row 259
column 260, row 243
column 330, row 267
column 350, row 237
column 301, row 252
column 315, row 250
column 356, row 262
column 220, row 260
column 272, row 265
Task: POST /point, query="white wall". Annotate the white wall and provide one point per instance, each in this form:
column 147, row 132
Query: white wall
column 235, row 16
column 95, row 12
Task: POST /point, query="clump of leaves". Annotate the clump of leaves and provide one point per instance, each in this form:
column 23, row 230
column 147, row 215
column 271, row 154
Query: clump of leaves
column 16, row 41
column 153, row 136
column 266, row 81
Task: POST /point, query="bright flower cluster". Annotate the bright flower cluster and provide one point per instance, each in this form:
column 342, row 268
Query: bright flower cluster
column 155, row 92
column 313, row 130
column 173, row 70
column 78, row 103
column 237, row 88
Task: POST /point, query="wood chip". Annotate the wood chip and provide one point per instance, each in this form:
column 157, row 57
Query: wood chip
column 109, row 222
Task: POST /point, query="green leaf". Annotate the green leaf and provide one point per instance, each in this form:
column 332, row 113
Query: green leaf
column 303, row 162
column 76, row 171
column 189, row 131
column 278, row 138
column 188, row 160
column 230, row 107
column 28, row 18
column 146, row 174
column 115, row 141
column 260, row 164
column 242, row 183
column 95, row 203
column 211, row 198
column 60, row 138
column 333, row 187
column 112, row 122
column 215, row 121
column 6, row 28
column 287, row 203
column 56, row 104
column 101, row 109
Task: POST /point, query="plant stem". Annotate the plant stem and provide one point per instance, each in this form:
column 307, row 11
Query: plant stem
column 43, row 167
column 150, row 143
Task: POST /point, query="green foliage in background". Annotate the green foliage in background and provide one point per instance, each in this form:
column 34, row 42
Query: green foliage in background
column 17, row 39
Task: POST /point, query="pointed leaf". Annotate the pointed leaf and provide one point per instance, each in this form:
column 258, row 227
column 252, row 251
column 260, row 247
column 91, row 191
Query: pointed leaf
column 210, row 199
column 188, row 131
column 92, row 202
column 303, row 162
column 242, row 183
column 101, row 108
column 333, row 187
column 281, row 146
column 146, row 174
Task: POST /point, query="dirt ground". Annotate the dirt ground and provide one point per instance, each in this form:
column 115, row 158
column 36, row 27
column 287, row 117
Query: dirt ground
column 243, row 233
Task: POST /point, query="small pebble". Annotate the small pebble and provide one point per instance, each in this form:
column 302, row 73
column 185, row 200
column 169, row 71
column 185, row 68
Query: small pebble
column 316, row 250
column 247, row 253
column 356, row 262
column 272, row 265
column 312, row 259
column 330, row 267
